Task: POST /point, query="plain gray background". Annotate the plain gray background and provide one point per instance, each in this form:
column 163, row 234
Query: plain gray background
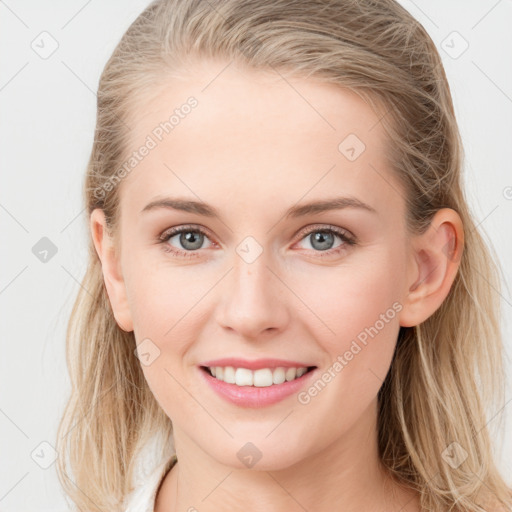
column 47, row 105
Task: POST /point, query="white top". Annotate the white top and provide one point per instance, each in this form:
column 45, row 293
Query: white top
column 142, row 498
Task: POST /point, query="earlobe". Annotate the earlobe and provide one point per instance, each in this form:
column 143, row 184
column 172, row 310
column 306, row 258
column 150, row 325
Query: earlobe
column 111, row 268
column 434, row 263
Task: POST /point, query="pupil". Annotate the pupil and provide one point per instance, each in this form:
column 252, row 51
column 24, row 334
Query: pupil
column 322, row 237
column 191, row 237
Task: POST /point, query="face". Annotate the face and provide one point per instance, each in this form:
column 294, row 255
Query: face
column 262, row 277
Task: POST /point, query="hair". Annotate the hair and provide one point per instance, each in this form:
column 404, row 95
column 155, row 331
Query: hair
column 446, row 377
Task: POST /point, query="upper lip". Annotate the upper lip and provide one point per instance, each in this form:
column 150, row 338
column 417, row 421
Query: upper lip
column 255, row 364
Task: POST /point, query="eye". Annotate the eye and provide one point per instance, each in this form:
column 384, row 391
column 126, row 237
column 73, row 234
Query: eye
column 321, row 239
column 190, row 238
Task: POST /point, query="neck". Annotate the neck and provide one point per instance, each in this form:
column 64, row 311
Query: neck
column 346, row 475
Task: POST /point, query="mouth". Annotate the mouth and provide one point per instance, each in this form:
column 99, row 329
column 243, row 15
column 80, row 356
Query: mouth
column 261, row 378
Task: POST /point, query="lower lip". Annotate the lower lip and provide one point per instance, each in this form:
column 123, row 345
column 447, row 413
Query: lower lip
column 252, row 396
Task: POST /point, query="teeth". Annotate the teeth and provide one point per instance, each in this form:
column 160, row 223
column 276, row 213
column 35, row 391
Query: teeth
column 229, row 375
column 263, row 377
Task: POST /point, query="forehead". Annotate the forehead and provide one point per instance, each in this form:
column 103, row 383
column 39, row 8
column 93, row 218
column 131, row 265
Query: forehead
column 253, row 134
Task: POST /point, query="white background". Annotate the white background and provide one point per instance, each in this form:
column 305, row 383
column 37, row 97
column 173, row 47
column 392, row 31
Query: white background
column 46, row 130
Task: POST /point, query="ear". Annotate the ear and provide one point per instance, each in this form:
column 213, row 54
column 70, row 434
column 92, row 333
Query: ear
column 433, row 265
column 111, row 269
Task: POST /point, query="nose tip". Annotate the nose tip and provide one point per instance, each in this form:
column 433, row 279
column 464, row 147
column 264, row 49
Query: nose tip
column 251, row 302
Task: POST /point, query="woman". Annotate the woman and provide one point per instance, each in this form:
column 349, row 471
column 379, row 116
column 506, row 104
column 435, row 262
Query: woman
column 287, row 302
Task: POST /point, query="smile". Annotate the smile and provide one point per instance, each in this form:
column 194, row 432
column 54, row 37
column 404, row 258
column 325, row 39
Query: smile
column 263, row 377
column 256, row 388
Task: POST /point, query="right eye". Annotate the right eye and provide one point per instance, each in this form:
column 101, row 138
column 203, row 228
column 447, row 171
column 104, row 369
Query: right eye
column 190, row 238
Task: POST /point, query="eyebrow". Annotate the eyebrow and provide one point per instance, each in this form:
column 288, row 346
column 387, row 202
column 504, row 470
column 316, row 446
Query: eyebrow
column 200, row 208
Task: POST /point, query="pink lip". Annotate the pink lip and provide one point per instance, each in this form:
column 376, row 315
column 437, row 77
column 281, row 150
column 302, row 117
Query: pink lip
column 252, row 396
column 256, row 364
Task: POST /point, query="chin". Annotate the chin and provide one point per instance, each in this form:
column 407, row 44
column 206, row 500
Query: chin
column 254, row 457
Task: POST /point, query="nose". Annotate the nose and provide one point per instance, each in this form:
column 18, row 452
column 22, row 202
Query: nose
column 252, row 300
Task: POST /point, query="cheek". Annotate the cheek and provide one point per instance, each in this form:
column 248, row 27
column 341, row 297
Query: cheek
column 167, row 311
column 359, row 308
column 350, row 298
column 162, row 297
column 164, row 311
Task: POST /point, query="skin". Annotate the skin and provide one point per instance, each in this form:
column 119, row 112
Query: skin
column 256, row 145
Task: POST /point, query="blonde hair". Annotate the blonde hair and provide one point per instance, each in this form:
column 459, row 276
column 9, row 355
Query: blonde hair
column 446, row 377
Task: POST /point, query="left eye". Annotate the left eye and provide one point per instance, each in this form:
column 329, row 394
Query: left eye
column 321, row 239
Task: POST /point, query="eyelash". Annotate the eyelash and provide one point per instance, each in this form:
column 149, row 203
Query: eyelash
column 168, row 234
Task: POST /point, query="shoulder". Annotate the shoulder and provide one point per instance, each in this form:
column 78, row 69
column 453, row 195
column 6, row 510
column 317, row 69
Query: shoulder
column 165, row 493
column 142, row 498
